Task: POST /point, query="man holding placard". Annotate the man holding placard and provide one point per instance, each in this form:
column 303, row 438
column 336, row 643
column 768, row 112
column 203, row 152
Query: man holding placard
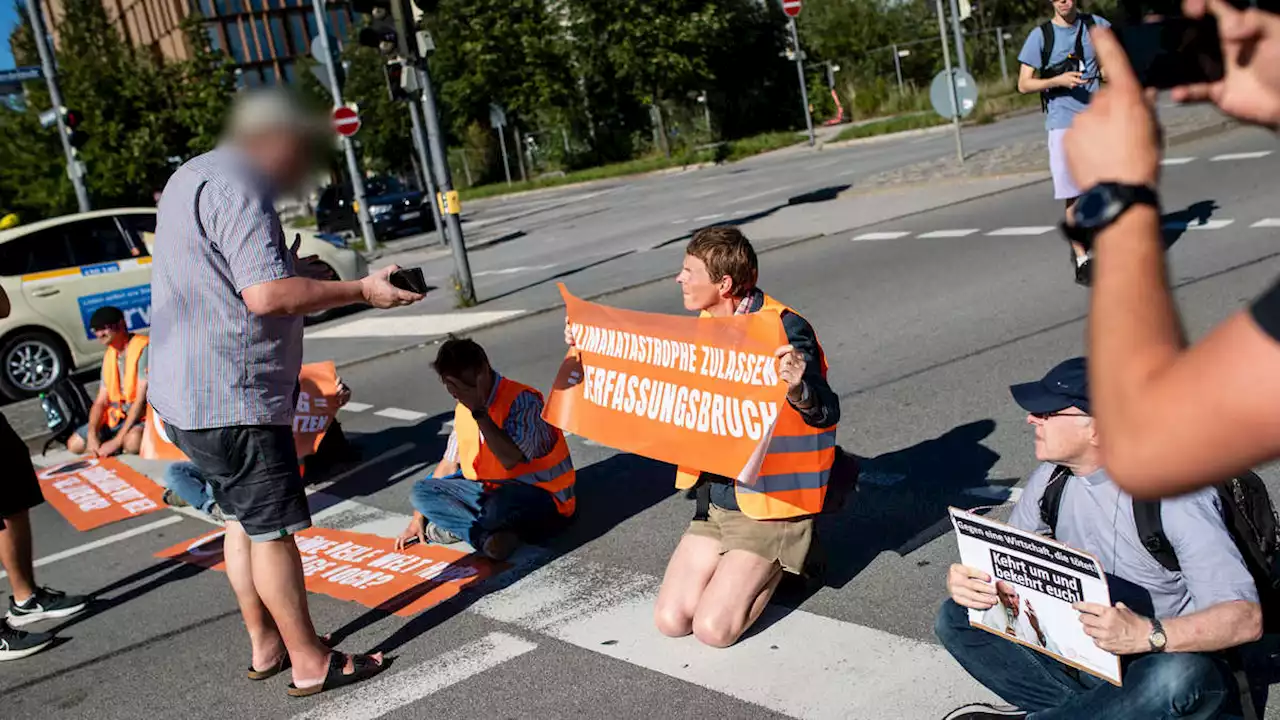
column 747, row 532
column 1169, row 627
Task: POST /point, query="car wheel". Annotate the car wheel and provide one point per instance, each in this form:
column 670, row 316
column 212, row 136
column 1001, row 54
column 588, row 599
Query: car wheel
column 327, row 273
column 30, row 363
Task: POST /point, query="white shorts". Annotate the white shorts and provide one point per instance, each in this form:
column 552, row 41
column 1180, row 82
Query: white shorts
column 1064, row 188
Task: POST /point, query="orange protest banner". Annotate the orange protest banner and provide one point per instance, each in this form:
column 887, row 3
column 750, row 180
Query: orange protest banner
column 362, row 568
column 317, row 406
column 91, row 492
column 699, row 392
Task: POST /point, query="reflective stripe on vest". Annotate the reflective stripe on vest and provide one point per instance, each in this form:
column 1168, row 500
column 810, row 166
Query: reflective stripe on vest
column 552, row 472
column 793, row 477
column 121, row 394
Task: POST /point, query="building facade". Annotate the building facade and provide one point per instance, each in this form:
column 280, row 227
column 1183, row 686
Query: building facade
column 268, row 40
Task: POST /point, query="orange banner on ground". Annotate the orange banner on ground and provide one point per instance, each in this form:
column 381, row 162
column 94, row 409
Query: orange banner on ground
column 91, row 492
column 317, row 406
column 698, row 392
column 362, row 568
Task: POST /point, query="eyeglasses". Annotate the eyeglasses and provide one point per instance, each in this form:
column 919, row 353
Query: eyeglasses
column 1060, row 413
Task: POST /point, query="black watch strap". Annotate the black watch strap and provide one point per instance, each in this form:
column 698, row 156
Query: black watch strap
column 1125, row 197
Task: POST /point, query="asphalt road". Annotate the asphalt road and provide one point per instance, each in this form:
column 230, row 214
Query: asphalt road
column 924, row 336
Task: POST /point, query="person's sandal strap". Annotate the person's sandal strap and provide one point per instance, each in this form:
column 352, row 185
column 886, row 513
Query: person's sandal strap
column 363, row 667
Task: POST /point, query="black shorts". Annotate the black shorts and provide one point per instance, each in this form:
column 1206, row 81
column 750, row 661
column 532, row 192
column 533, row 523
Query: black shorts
column 19, row 491
column 254, row 474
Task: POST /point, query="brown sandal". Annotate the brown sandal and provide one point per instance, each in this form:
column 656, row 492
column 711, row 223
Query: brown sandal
column 363, row 667
column 283, row 663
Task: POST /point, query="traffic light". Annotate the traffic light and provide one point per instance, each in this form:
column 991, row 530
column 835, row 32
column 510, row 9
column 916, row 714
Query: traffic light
column 71, row 119
column 380, row 33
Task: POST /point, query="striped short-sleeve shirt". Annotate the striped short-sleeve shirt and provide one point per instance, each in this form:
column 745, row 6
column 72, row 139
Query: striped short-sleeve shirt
column 214, row 363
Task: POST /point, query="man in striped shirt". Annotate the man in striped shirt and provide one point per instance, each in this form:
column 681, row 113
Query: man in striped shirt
column 228, row 298
column 450, row 507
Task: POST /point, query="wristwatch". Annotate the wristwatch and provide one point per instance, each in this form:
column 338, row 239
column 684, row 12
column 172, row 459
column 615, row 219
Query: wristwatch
column 1101, row 205
column 479, row 413
column 1157, row 637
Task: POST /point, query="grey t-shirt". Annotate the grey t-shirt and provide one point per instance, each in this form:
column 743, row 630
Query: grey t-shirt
column 1097, row 516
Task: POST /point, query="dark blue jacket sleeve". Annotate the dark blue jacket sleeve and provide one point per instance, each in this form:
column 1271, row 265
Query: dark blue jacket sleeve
column 826, row 404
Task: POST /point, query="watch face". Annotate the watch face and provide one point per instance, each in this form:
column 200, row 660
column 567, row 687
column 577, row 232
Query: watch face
column 1096, row 207
column 1158, row 639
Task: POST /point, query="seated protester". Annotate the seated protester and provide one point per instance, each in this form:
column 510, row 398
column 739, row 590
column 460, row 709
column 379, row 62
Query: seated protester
column 186, row 487
column 731, row 559
column 506, row 474
column 1169, row 628
column 116, row 420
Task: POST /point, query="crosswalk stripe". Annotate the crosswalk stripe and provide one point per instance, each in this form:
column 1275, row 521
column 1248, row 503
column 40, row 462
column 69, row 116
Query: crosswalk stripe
column 393, row 690
column 949, row 233
column 1020, row 231
column 1176, row 160
column 1205, row 225
column 410, row 325
column 356, row 407
column 103, row 542
column 886, row 235
column 400, row 414
column 1240, row 156
column 1267, row 223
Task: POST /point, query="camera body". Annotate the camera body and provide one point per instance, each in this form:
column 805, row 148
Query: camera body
column 1069, row 64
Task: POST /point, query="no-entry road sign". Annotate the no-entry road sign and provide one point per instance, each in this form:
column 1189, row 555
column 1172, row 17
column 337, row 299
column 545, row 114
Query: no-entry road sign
column 791, row 7
column 346, row 121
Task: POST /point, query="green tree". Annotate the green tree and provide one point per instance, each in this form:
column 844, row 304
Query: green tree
column 138, row 114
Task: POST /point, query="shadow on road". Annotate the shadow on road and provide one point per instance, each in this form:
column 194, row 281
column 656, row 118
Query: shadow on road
column 1175, row 224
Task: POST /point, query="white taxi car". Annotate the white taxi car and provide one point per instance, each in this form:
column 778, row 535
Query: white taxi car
column 57, row 272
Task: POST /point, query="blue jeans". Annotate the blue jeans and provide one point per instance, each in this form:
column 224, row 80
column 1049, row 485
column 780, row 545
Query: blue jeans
column 466, row 509
column 1173, row 685
column 184, row 479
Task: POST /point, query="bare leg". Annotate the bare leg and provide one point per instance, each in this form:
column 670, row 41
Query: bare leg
column 1069, row 211
column 264, row 637
column 735, row 597
column 688, row 572
column 76, row 444
column 133, row 441
column 15, row 555
column 277, row 578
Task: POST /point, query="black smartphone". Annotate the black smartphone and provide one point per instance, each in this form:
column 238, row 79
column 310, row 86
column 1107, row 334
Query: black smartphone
column 410, row 279
column 1173, row 51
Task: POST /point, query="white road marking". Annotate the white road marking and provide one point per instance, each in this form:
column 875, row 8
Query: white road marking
column 1240, row 156
column 1176, row 160
column 950, row 233
column 103, row 542
column 411, row 325
column 1267, row 223
column 1021, row 231
column 355, row 406
column 704, row 193
column 679, row 222
column 712, row 216
column 757, row 196
column 393, row 690
column 1198, row 225
column 400, row 414
column 828, row 163
column 885, row 235
column 609, row 610
column 400, row 450
column 514, row 270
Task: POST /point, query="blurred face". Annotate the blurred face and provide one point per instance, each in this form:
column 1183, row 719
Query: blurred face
column 1062, row 437
column 111, row 334
column 1064, row 8
column 285, row 156
column 700, row 292
column 1008, row 597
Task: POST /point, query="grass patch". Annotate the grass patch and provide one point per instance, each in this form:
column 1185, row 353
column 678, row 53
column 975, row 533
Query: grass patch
column 303, row 221
column 724, row 152
column 891, row 125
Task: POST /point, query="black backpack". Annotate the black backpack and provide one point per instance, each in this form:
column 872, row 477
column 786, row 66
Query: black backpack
column 1247, row 512
column 1046, row 52
column 66, row 408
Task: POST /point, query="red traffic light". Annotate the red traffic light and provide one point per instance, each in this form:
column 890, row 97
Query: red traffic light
column 72, row 118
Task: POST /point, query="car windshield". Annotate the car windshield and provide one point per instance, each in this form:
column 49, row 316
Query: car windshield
column 382, row 186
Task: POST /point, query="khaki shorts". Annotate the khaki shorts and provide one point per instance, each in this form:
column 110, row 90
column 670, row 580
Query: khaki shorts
column 783, row 541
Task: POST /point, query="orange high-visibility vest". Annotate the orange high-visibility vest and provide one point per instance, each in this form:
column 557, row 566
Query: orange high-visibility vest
column 793, row 477
column 552, row 472
column 120, row 394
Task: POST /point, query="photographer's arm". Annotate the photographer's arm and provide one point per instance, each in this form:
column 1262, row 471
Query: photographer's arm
column 1174, row 417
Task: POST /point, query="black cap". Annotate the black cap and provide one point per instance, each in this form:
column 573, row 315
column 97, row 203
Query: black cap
column 1067, row 385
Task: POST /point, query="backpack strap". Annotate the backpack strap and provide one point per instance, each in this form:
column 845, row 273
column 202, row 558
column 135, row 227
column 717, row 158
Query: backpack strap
column 1046, row 44
column 1086, row 22
column 1146, row 515
column 1051, row 500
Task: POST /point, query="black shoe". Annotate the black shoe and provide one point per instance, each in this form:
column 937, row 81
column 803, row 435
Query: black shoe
column 45, row 604
column 17, row 644
column 171, row 499
column 984, row 711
